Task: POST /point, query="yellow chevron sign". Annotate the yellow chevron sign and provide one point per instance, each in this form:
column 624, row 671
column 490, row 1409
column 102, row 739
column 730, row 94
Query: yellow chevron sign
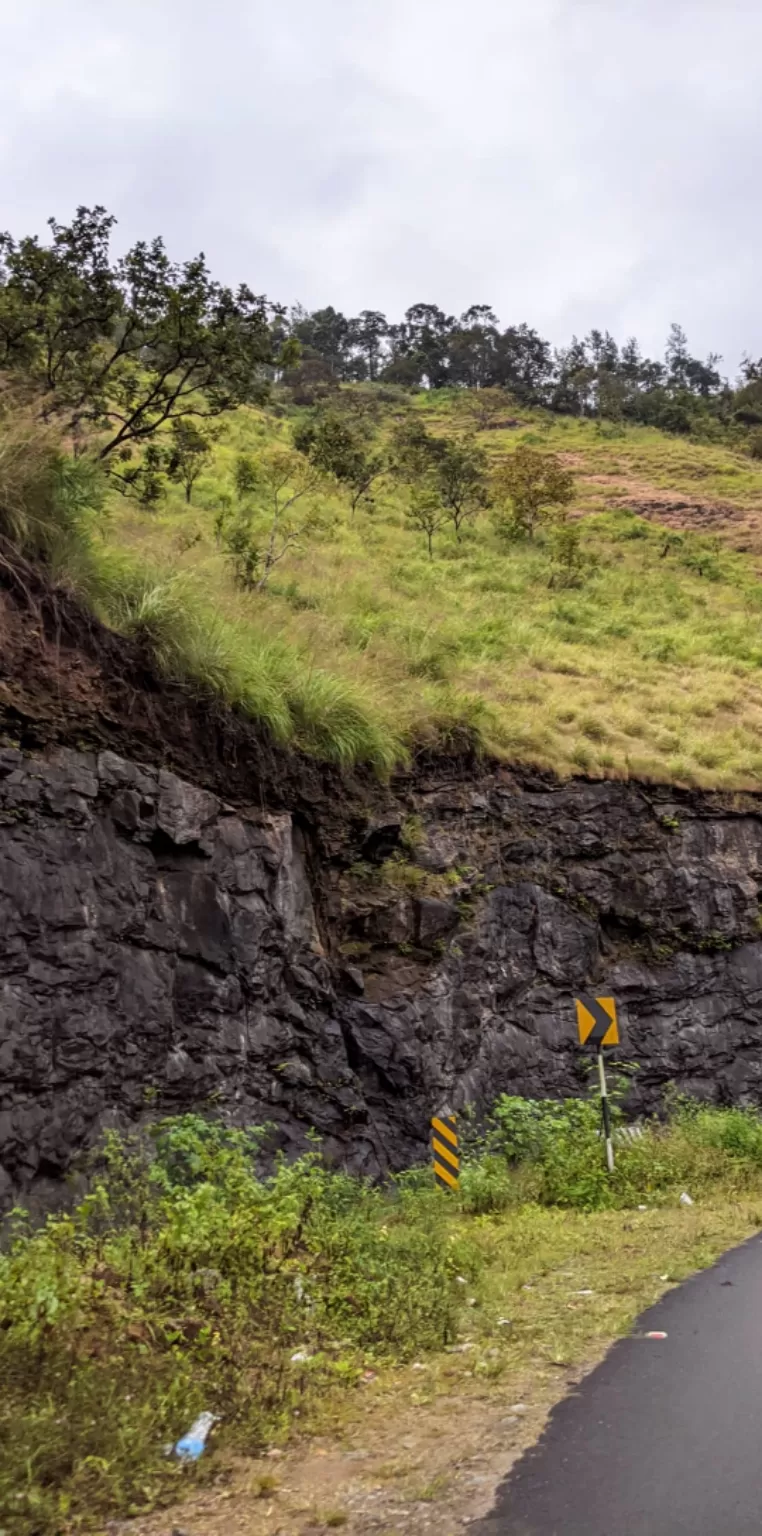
column 444, row 1147
column 597, row 1021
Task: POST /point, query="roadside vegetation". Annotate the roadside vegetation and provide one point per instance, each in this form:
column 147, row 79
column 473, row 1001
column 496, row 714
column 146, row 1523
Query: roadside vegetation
column 185, row 1282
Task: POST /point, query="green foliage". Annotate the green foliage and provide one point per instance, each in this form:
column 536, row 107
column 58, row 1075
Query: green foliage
column 340, row 444
column 143, row 479
column 245, row 476
column 534, row 485
column 184, row 1282
column 298, row 703
column 484, row 409
column 567, row 556
column 121, row 348
column 459, row 476
column 50, row 505
column 425, row 513
column 283, row 484
column 238, row 541
column 555, row 1151
column 643, row 661
column 189, row 454
column 415, row 452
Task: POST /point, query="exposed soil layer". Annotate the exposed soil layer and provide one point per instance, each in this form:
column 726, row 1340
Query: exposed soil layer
column 67, row 680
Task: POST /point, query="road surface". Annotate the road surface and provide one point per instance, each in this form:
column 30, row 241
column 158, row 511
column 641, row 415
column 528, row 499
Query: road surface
column 664, row 1438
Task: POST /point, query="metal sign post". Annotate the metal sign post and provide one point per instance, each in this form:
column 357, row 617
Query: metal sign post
column 597, row 1025
column 606, row 1113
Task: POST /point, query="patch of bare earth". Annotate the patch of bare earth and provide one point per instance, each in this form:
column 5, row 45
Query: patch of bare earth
column 400, row 1469
column 740, row 527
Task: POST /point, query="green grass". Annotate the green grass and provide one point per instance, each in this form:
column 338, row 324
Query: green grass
column 650, row 667
column 362, row 649
column 184, row 1282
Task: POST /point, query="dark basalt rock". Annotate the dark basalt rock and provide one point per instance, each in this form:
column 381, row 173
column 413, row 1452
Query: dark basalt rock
column 161, row 951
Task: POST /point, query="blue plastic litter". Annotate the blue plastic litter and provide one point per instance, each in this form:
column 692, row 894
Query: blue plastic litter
column 190, row 1447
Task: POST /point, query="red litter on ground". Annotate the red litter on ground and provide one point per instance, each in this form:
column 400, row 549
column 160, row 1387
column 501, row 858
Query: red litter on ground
column 654, row 1335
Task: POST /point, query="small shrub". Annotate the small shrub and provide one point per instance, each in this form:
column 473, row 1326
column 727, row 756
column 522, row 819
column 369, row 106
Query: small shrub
column 567, row 558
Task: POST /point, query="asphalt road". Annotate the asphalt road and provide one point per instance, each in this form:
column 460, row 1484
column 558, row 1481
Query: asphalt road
column 665, row 1437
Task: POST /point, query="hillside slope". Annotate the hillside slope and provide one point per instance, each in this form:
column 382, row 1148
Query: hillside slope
column 645, row 664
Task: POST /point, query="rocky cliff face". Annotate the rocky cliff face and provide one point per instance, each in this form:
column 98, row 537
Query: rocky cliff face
column 357, row 970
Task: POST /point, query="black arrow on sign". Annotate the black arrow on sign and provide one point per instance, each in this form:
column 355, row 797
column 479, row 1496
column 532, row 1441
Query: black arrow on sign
column 603, row 1021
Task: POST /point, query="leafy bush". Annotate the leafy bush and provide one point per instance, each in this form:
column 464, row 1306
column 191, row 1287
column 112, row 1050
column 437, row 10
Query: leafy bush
column 551, row 1151
column 183, row 1282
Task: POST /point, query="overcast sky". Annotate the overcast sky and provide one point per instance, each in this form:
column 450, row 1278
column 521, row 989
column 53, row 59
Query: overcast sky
column 571, row 162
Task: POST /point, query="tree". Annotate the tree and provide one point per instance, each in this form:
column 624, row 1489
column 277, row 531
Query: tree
column 575, row 377
column 341, row 446
column 534, row 484
column 420, row 346
column 523, row 364
column 145, row 480
column 310, row 380
column 414, row 451
column 688, row 374
column 368, row 333
column 245, row 475
column 191, row 449
column 677, row 356
column 460, row 475
column 484, row 409
column 124, row 348
column 426, row 513
column 240, row 545
column 567, row 559
column 748, row 402
column 324, row 334
column 472, row 346
column 285, row 482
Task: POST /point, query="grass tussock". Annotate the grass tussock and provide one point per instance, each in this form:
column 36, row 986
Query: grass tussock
column 184, row 1282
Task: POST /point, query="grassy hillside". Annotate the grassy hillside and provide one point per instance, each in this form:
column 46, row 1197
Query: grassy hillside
column 648, row 665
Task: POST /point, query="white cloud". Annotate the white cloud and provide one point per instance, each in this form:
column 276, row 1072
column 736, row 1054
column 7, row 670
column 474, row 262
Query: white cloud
column 572, row 162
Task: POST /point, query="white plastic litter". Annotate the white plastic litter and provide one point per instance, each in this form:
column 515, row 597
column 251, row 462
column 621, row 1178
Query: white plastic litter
column 299, row 1356
column 685, row 1199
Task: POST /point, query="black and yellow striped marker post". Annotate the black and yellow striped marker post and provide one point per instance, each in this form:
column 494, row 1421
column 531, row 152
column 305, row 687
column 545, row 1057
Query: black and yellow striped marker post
column 444, row 1147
